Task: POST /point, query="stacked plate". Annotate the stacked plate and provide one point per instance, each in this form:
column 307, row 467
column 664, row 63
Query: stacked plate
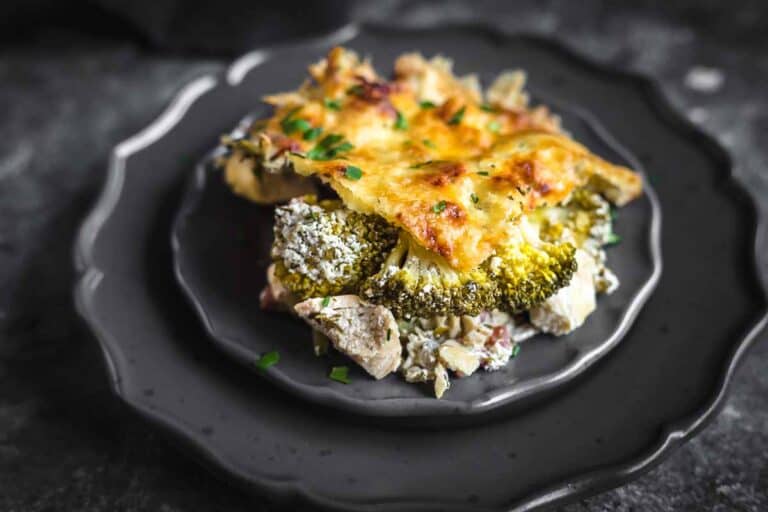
column 181, row 329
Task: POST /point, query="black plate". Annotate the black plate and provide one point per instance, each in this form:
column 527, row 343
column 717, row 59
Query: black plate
column 221, row 251
column 660, row 385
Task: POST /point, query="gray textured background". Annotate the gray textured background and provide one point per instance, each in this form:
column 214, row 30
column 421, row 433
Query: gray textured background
column 67, row 98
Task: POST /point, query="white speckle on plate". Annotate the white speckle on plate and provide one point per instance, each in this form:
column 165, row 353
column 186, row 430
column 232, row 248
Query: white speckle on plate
column 698, row 115
column 704, row 79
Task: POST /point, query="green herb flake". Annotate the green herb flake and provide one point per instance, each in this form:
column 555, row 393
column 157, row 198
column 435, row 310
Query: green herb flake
column 267, row 360
column 614, row 214
column 326, row 301
column 295, row 125
column 420, row 164
column 487, row 107
column 313, row 133
column 439, row 207
column 330, row 140
column 332, row 104
column 474, row 198
column 426, row 104
column 353, row 173
column 612, row 239
column 429, row 143
column 494, row 126
column 328, row 147
column 342, row 148
column 340, row 374
column 457, row 117
column 482, row 173
column 401, row 123
column 515, row 351
column 288, row 118
column 389, row 334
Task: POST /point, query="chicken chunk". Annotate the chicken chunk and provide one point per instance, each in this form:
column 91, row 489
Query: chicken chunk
column 275, row 296
column 570, row 306
column 367, row 333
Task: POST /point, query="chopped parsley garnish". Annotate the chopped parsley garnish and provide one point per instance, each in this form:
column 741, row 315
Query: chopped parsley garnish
column 420, row 164
column 332, row 104
column 356, row 90
column 291, row 124
column 612, row 239
column 474, row 198
column 401, row 123
column 614, row 214
column 340, row 374
column 329, row 147
column 313, row 133
column 330, row 140
column 353, row 173
column 439, row 207
column 515, row 351
column 326, row 301
column 457, row 117
column 494, row 126
column 482, row 173
column 426, row 104
column 267, row 360
column 487, row 107
column 389, row 334
column 285, row 122
column 429, row 143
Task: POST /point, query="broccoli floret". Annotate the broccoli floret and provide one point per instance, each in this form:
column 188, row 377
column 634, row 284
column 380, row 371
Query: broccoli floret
column 585, row 216
column 323, row 249
column 526, row 275
column 416, row 282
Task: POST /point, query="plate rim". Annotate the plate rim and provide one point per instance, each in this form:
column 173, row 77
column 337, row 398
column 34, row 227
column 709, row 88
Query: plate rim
column 425, row 407
column 676, row 431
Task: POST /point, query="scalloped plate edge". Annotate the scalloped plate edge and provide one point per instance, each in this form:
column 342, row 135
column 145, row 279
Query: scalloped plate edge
column 412, row 408
column 676, row 432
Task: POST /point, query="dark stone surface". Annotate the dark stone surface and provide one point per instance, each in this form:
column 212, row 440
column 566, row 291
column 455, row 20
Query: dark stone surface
column 66, row 444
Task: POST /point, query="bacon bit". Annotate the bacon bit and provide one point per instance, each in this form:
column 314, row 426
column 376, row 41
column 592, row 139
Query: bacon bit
column 526, row 168
column 377, row 93
column 448, row 109
column 449, row 173
column 374, row 92
column 386, row 108
column 454, row 212
column 283, row 144
column 500, row 335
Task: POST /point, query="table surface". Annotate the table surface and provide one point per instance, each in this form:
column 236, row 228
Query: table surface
column 66, row 99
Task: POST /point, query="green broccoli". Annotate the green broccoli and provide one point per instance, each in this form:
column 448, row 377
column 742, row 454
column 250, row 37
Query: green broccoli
column 323, row 249
column 416, row 282
column 526, row 275
column 585, row 216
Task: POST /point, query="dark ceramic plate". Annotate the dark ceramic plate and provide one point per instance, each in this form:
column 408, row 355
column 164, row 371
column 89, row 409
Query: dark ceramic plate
column 221, row 251
column 663, row 382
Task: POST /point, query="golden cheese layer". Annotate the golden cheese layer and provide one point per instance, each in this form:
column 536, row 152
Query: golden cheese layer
column 429, row 153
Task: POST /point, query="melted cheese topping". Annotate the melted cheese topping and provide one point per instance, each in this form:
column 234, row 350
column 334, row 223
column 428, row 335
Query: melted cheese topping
column 426, row 154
